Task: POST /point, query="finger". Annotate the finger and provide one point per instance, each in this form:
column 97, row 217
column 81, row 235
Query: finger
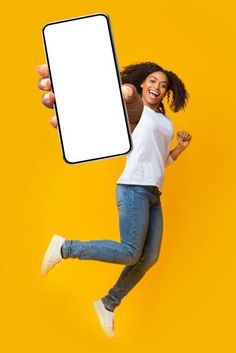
column 179, row 137
column 44, row 83
column 53, row 122
column 48, row 99
column 188, row 138
column 42, row 70
column 185, row 135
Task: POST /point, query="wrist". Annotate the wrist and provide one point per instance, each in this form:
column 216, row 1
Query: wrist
column 181, row 147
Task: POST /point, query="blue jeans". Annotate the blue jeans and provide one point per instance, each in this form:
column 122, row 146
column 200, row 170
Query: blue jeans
column 141, row 225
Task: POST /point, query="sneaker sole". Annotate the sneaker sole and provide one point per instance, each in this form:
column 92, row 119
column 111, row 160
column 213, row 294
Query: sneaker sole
column 55, row 242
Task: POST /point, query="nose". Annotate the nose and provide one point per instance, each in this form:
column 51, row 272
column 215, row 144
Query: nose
column 157, row 85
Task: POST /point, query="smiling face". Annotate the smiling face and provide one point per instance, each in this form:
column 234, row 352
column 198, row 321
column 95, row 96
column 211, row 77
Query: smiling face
column 155, row 87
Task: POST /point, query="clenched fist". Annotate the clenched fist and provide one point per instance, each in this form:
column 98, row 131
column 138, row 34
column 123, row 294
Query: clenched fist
column 183, row 138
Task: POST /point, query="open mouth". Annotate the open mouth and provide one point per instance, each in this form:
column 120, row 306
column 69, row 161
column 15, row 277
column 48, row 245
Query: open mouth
column 153, row 94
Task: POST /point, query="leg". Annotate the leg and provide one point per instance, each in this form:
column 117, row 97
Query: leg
column 133, row 220
column 132, row 274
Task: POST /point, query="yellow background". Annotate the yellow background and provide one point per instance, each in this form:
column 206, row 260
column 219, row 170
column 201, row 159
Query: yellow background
column 185, row 303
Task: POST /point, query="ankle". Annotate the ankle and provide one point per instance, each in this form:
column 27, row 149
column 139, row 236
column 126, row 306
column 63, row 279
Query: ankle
column 63, row 255
column 106, row 306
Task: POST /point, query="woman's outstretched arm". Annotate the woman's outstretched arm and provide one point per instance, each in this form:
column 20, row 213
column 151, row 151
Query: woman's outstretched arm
column 134, row 103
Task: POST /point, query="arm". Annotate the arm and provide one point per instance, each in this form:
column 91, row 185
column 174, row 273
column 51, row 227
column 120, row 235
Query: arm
column 184, row 139
column 133, row 102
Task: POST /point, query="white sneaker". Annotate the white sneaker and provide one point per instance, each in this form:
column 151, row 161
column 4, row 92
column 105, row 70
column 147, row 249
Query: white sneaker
column 106, row 318
column 52, row 256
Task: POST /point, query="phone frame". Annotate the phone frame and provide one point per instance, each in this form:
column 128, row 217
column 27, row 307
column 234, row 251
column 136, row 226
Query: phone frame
column 118, row 78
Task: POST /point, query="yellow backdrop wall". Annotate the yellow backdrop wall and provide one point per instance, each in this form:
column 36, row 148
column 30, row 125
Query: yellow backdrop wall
column 185, row 303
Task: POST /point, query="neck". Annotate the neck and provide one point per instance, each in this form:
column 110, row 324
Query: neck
column 155, row 107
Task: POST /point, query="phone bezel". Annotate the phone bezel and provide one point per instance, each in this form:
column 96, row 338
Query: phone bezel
column 119, row 81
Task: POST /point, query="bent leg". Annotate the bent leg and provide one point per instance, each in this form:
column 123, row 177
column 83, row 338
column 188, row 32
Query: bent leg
column 132, row 274
column 133, row 222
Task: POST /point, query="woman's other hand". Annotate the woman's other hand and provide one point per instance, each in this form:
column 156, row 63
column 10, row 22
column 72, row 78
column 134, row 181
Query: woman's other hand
column 184, row 138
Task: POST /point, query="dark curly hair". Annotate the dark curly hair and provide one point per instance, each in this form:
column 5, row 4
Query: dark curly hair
column 177, row 96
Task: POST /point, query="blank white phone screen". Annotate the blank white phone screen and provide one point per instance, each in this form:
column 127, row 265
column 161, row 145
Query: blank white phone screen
column 91, row 112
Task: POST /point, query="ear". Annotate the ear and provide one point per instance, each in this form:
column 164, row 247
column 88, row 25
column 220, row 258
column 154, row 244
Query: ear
column 141, row 85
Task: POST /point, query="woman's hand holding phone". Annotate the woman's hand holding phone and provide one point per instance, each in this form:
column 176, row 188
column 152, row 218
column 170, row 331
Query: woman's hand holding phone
column 44, row 83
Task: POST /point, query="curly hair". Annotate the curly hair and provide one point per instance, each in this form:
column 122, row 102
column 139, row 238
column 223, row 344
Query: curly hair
column 177, row 96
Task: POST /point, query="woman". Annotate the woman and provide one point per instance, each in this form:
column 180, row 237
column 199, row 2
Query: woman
column 139, row 187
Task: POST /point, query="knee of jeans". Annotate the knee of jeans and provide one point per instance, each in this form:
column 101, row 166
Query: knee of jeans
column 149, row 261
column 132, row 258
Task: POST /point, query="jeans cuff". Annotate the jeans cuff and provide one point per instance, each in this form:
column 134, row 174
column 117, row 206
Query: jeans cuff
column 65, row 249
column 107, row 306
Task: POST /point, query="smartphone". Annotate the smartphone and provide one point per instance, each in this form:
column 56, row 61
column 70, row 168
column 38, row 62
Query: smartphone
column 83, row 69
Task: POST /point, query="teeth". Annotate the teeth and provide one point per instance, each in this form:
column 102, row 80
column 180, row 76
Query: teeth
column 155, row 93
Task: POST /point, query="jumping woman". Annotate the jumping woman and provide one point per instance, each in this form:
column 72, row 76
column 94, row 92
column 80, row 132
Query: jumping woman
column 138, row 189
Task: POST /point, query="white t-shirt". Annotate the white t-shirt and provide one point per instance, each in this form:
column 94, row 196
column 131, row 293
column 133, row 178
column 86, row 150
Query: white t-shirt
column 145, row 163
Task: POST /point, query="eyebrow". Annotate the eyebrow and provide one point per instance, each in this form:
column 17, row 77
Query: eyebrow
column 157, row 79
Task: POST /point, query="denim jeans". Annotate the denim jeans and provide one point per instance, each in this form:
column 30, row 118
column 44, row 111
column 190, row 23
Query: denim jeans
column 141, row 225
